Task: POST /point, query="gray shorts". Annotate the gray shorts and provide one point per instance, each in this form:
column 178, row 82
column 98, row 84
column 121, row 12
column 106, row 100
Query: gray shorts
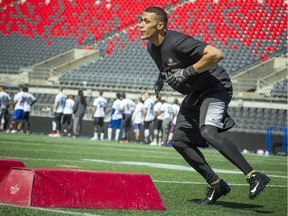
column 195, row 112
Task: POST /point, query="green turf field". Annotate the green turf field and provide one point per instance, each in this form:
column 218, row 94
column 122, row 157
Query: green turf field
column 178, row 185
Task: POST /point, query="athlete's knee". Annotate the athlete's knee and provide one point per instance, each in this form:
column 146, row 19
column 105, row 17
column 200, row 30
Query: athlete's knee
column 212, row 136
column 178, row 145
column 208, row 132
column 192, row 155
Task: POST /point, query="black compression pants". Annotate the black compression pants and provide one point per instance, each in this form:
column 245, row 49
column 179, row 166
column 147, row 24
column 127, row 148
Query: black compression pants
column 196, row 159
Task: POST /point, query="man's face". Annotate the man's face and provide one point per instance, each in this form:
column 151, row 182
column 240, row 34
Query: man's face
column 149, row 26
column 145, row 96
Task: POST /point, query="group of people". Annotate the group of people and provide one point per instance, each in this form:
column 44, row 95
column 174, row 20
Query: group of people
column 15, row 113
column 68, row 113
column 159, row 117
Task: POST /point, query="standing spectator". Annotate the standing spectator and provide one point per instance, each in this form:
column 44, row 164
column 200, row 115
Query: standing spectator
column 79, row 109
column 5, row 101
column 67, row 115
column 158, row 120
column 148, row 115
column 116, row 117
column 57, row 109
column 99, row 112
column 166, row 109
column 137, row 119
column 29, row 100
column 175, row 111
column 18, row 112
column 190, row 67
column 127, row 107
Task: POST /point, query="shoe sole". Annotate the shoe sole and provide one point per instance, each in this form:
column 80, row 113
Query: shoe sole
column 261, row 188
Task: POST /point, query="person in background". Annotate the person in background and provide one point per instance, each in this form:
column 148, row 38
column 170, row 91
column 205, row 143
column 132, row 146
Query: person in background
column 57, row 110
column 29, row 100
column 190, row 67
column 127, row 107
column 175, row 110
column 18, row 112
column 166, row 110
column 158, row 120
column 68, row 115
column 79, row 109
column 148, row 115
column 137, row 119
column 5, row 101
column 116, row 117
column 98, row 113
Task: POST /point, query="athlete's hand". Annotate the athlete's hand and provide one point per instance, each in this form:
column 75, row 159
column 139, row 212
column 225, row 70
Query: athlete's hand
column 180, row 76
column 158, row 85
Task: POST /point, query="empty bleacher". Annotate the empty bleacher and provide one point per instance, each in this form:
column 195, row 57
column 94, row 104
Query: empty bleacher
column 247, row 32
column 280, row 89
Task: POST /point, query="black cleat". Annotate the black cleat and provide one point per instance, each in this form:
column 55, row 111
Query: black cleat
column 258, row 182
column 213, row 194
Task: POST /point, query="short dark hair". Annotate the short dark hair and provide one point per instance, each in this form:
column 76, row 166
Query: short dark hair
column 80, row 92
column 118, row 95
column 161, row 14
column 25, row 88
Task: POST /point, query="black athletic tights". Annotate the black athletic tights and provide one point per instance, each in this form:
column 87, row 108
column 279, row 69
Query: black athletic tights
column 196, row 159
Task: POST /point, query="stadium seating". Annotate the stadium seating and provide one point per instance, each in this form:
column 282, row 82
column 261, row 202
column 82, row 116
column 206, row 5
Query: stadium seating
column 246, row 32
column 255, row 120
column 280, row 89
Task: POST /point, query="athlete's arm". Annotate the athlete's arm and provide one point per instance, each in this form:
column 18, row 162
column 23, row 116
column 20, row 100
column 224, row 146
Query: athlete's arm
column 54, row 106
column 93, row 111
column 211, row 56
column 145, row 111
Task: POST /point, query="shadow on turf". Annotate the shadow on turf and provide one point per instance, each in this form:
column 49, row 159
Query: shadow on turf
column 234, row 205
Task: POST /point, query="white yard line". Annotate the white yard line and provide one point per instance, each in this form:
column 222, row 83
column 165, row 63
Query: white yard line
column 152, row 165
column 171, row 166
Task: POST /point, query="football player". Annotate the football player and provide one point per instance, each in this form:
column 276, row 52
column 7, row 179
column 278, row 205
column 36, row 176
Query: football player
column 190, row 67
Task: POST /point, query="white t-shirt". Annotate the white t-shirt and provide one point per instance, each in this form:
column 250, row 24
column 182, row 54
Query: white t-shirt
column 149, row 105
column 61, row 100
column 157, row 108
column 175, row 111
column 100, row 103
column 19, row 101
column 138, row 114
column 28, row 100
column 166, row 109
column 116, row 113
column 4, row 99
column 68, row 109
column 127, row 106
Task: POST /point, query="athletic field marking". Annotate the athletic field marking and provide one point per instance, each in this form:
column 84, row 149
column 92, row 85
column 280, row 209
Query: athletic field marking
column 51, row 210
column 164, row 154
column 204, row 183
column 168, row 166
column 153, row 165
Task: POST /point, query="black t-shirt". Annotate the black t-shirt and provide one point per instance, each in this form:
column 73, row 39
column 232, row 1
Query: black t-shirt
column 180, row 51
